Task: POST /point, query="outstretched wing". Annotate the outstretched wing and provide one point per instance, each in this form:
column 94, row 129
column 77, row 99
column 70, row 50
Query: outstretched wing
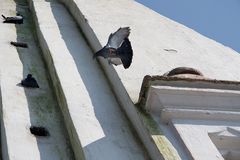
column 125, row 52
column 116, row 39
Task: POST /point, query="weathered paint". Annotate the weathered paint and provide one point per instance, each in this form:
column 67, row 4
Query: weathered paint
column 164, row 146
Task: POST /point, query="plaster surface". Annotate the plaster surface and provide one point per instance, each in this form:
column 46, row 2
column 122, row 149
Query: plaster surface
column 22, row 107
column 208, row 139
column 159, row 45
column 96, row 125
column 152, row 35
column 92, row 113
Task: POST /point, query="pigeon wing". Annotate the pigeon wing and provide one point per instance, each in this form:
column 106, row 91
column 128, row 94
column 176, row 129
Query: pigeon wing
column 125, row 52
column 116, row 39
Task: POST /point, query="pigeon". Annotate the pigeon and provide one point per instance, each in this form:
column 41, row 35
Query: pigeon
column 18, row 19
column 39, row 131
column 19, row 44
column 118, row 49
column 29, row 82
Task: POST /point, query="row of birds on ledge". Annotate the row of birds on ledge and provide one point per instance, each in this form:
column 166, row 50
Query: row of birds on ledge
column 29, row 81
column 118, row 49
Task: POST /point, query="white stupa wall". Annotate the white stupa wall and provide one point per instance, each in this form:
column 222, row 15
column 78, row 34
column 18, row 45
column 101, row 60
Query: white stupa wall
column 159, row 45
column 150, row 35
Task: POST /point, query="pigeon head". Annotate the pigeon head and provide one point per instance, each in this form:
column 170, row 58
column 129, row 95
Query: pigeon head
column 29, row 76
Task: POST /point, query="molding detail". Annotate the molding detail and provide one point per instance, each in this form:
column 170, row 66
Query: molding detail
column 173, row 97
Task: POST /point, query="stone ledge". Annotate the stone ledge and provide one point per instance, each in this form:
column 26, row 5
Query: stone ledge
column 168, row 114
column 161, row 97
column 173, row 97
column 96, row 125
column 56, row 80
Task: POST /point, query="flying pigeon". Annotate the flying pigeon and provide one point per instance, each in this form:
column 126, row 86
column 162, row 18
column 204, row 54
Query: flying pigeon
column 118, row 49
column 18, row 19
column 29, row 82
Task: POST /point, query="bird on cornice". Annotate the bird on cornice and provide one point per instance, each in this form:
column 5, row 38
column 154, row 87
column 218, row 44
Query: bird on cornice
column 30, row 82
column 18, row 19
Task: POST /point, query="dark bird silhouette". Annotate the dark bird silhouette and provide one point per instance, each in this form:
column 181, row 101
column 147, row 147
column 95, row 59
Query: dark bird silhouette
column 118, row 49
column 18, row 19
column 30, row 82
column 19, row 44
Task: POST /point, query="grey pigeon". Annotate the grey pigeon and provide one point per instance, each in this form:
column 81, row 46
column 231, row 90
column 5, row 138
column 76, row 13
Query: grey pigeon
column 118, row 49
column 18, row 19
column 19, row 44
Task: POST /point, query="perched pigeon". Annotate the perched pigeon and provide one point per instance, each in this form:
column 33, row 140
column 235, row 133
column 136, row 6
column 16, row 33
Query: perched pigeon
column 29, row 82
column 118, row 49
column 19, row 44
column 18, row 19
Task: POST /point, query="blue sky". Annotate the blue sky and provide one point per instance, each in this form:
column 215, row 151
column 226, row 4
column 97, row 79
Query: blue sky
column 216, row 19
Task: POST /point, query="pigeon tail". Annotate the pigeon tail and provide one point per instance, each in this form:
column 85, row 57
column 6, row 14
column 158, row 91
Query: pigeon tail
column 125, row 52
